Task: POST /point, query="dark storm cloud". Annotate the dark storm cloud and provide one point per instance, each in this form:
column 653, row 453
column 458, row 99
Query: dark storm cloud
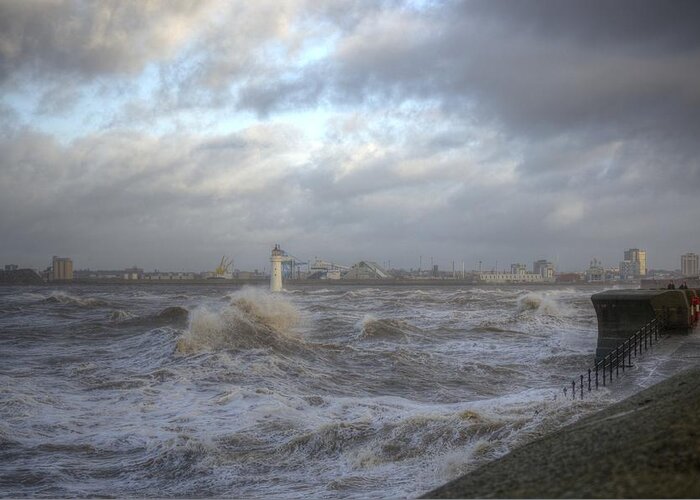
column 650, row 23
column 473, row 56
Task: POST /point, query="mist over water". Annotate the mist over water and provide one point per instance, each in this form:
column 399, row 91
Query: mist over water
column 345, row 391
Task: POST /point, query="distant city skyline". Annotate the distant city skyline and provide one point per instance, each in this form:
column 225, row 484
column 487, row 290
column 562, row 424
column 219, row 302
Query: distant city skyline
column 426, row 264
column 171, row 133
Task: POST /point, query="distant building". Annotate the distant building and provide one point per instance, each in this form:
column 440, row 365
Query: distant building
column 61, row 269
column 638, row 258
column 160, row 276
column 545, row 269
column 518, row 274
column 518, row 269
column 595, row 272
column 322, row 270
column 87, row 274
column 503, row 277
column 366, row 270
column 629, row 270
column 690, row 264
column 20, row 276
column 133, row 273
column 11, row 267
column 569, row 278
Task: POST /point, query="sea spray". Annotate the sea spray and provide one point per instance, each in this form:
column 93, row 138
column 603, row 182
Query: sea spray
column 540, row 303
column 252, row 319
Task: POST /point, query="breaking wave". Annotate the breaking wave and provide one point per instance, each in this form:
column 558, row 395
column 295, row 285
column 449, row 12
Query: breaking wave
column 540, row 303
column 253, row 319
column 119, row 315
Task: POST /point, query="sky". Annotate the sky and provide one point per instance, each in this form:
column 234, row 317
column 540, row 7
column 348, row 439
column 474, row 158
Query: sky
column 165, row 134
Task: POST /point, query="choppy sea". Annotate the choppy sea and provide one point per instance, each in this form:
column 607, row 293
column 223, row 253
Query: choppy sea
column 352, row 392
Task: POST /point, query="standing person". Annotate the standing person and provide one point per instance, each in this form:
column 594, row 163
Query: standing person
column 671, row 286
column 684, row 286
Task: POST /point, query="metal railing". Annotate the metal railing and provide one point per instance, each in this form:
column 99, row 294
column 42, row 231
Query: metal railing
column 602, row 372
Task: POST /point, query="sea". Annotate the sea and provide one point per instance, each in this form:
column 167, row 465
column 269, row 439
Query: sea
column 336, row 391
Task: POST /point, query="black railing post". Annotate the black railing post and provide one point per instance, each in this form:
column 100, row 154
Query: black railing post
column 645, row 338
column 589, row 380
column 596, row 376
column 629, row 355
column 603, row 372
column 652, row 330
column 623, row 356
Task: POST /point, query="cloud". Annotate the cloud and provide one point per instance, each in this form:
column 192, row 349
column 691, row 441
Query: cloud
column 567, row 213
column 462, row 129
column 89, row 39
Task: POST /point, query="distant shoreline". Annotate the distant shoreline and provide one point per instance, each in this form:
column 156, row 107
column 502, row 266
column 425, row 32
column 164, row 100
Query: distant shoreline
column 313, row 283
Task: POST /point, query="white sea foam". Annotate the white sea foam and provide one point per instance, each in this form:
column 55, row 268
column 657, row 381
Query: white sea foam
column 120, row 315
column 62, row 297
column 380, row 391
column 540, row 303
column 252, row 319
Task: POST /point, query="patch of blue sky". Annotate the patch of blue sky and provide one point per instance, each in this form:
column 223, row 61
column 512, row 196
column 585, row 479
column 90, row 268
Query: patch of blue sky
column 318, row 48
column 22, row 101
column 424, row 5
column 65, row 125
column 312, row 122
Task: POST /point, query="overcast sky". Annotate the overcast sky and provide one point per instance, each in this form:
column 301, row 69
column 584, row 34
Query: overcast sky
column 166, row 134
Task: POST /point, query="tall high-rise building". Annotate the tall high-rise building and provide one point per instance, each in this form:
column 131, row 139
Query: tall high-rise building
column 61, row 269
column 637, row 256
column 629, row 269
column 689, row 264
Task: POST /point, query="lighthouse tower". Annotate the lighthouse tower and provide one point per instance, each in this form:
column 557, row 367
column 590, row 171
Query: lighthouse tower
column 276, row 274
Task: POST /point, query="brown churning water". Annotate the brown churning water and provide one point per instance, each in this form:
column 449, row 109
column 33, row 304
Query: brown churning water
column 345, row 391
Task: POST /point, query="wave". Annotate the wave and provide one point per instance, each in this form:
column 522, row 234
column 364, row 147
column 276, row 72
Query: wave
column 172, row 315
column 370, row 327
column 253, row 319
column 418, row 435
column 540, row 303
column 67, row 299
column 490, row 328
column 361, row 293
column 369, row 443
column 120, row 315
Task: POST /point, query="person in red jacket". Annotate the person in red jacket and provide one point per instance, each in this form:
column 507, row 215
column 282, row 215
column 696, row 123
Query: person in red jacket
column 695, row 303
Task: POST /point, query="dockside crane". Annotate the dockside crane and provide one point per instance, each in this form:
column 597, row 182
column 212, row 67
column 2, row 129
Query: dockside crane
column 224, row 267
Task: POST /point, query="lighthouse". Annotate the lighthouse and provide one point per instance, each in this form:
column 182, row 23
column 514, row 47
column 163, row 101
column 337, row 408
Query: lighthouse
column 276, row 274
